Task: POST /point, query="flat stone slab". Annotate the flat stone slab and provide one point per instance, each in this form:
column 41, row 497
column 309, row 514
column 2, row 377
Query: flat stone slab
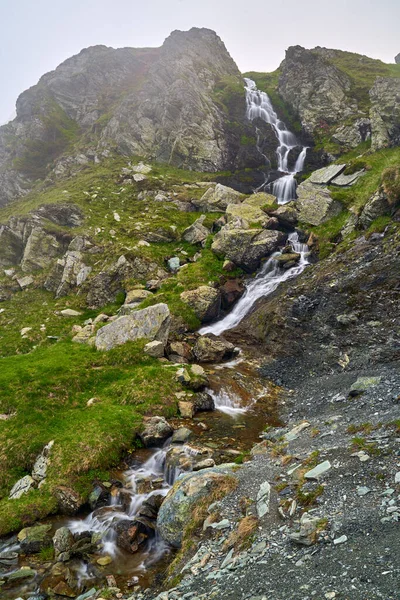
column 347, row 180
column 363, row 383
column 263, row 499
column 324, row 176
column 319, row 470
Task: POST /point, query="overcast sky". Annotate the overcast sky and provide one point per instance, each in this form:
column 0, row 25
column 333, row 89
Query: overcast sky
column 36, row 35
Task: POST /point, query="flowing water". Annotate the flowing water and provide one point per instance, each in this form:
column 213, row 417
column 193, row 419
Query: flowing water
column 263, row 284
column 242, row 402
column 259, row 107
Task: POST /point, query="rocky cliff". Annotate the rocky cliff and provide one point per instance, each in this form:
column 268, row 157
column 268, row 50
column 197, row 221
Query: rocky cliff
column 182, row 104
column 338, row 96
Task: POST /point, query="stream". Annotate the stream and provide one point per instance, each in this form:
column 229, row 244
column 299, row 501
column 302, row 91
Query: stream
column 242, row 402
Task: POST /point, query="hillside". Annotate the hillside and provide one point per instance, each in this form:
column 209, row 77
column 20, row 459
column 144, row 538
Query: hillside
column 136, row 218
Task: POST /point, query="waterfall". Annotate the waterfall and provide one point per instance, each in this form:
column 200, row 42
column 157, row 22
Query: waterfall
column 265, row 282
column 259, row 106
column 228, row 403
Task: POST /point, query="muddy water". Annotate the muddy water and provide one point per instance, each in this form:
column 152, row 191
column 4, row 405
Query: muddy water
column 245, row 404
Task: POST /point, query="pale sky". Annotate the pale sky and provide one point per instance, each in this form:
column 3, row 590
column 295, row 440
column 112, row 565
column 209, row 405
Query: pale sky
column 36, row 35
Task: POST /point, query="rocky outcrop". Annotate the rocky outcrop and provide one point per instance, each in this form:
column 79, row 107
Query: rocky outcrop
column 377, row 206
column 150, row 323
column 385, row 112
column 11, row 247
column 158, row 103
column 315, row 88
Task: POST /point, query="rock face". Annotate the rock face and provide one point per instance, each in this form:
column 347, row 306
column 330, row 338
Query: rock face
column 385, row 112
column 160, row 100
column 316, row 89
column 186, row 494
column 246, row 247
column 11, row 247
column 151, row 323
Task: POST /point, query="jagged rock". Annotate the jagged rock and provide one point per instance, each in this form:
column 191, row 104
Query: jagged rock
column 318, row 471
column 23, row 486
column 33, row 539
column 155, row 349
column 196, row 233
column 353, row 134
column 203, row 402
column 324, row 176
column 68, row 272
column 63, row 540
column 11, row 247
column 231, row 291
column 136, row 296
column 315, row 88
column 156, row 431
column 246, row 247
column 25, row 282
column 186, row 409
column 187, row 493
column 66, row 215
column 210, row 348
column 69, row 501
column 205, row 302
column 181, row 435
column 105, row 287
column 308, row 533
column 286, row 215
column 181, row 349
column 39, row 470
column 315, row 204
column 150, row 323
column 385, row 112
column 216, row 199
column 377, row 206
column 40, row 248
column 347, row 180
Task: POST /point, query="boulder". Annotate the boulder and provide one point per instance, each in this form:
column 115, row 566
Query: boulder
column 182, row 350
column 150, row 323
column 63, row 540
column 181, row 435
column 216, row 199
column 156, row 431
column 203, row 402
column 130, row 534
column 187, row 494
column 315, row 204
column 11, row 247
column 262, row 200
column 34, row 539
column 246, row 247
column 287, row 215
column 231, row 291
column 205, row 302
column 136, row 296
column 154, row 349
column 325, row 175
column 40, row 248
column 347, row 180
column 23, row 486
column 196, row 233
column 210, row 348
column 248, row 214
column 377, row 206
column 69, row 501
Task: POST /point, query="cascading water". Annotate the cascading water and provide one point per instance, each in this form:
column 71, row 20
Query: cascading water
column 259, row 106
column 265, row 282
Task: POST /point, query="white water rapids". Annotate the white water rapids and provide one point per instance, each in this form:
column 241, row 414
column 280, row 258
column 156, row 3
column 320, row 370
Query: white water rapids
column 259, row 106
column 264, row 283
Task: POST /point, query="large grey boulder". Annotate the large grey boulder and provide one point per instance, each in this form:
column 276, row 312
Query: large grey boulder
column 385, row 112
column 216, row 199
column 150, row 323
column 205, row 302
column 246, row 247
column 210, row 348
column 190, row 492
column 196, row 233
column 34, row 539
column 315, row 204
